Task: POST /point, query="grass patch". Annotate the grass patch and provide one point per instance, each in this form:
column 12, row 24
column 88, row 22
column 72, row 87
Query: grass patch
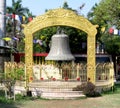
column 18, row 98
column 3, row 99
column 117, row 88
column 114, row 90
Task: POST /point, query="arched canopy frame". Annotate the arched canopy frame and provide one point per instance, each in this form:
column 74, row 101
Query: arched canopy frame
column 61, row 17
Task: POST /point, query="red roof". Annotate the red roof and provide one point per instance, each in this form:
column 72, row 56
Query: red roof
column 35, row 54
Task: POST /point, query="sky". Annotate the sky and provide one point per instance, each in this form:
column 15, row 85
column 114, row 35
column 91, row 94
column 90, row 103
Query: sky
column 38, row 7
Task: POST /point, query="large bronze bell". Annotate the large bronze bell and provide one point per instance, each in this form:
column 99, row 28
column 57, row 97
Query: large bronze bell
column 60, row 50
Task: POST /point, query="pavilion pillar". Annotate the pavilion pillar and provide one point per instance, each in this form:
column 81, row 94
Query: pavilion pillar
column 28, row 56
column 91, row 59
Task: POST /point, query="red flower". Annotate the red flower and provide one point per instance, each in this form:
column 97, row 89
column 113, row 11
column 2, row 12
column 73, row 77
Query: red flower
column 78, row 79
column 31, row 78
column 41, row 78
column 66, row 78
column 53, row 79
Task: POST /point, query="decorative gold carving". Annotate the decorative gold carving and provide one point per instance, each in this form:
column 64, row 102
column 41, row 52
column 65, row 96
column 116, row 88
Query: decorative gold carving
column 66, row 18
column 61, row 17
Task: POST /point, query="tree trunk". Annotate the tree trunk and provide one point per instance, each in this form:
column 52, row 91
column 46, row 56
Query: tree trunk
column 2, row 30
column 2, row 20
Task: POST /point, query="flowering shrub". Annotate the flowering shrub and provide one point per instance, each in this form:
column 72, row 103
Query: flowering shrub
column 88, row 89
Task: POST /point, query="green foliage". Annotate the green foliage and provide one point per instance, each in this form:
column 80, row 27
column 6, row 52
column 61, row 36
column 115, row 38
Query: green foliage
column 45, row 36
column 15, row 74
column 17, row 8
column 20, row 97
column 112, row 44
column 65, row 5
column 113, row 90
column 76, row 37
column 20, row 74
column 107, row 12
column 117, row 88
column 3, row 99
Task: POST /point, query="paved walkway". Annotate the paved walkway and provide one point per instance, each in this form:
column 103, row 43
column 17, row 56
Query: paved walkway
column 107, row 101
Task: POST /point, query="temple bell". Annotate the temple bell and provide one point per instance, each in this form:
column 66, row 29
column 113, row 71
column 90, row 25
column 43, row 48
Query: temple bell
column 60, row 50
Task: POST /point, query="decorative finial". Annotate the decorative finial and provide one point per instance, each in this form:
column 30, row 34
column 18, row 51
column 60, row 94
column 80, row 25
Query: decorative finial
column 60, row 30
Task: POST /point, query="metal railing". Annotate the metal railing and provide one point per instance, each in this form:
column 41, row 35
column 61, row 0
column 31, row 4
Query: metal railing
column 104, row 71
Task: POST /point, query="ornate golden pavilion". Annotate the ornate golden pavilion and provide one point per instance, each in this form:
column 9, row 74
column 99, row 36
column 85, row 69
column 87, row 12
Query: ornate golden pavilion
column 61, row 17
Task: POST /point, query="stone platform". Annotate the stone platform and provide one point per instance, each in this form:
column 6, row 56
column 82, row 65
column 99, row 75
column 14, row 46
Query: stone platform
column 55, row 89
column 52, row 89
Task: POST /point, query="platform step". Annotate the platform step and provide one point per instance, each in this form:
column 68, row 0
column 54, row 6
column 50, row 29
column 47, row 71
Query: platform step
column 62, row 93
column 57, row 94
column 63, row 97
column 54, row 84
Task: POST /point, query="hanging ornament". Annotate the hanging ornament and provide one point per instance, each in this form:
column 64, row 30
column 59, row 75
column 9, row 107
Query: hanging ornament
column 7, row 39
column 111, row 30
column 103, row 29
column 115, row 31
column 30, row 19
column 13, row 16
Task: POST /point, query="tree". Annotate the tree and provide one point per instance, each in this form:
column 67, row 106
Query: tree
column 13, row 26
column 106, row 14
column 76, row 39
column 17, row 8
column 111, row 43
